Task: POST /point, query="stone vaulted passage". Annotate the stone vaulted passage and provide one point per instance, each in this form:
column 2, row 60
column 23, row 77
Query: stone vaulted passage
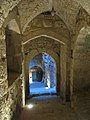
column 42, row 75
column 44, row 60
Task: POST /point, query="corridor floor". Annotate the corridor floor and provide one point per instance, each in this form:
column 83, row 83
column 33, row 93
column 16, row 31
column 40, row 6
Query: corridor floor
column 52, row 108
column 38, row 88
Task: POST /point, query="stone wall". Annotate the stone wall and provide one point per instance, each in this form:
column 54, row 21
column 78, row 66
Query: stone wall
column 11, row 101
column 82, row 61
column 10, row 96
column 49, row 65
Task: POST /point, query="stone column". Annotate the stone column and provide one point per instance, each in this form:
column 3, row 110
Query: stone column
column 26, row 75
column 69, row 74
column 47, row 75
column 58, row 75
column 63, row 72
column 23, row 75
column 72, row 86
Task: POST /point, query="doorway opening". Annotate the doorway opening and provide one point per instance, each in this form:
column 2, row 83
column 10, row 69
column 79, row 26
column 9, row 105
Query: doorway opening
column 42, row 75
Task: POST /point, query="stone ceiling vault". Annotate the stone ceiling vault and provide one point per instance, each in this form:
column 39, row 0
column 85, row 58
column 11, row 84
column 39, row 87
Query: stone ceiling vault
column 47, row 25
column 42, row 43
column 67, row 10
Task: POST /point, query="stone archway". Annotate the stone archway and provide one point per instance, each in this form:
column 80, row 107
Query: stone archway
column 81, row 59
column 42, row 75
column 34, row 53
column 37, row 72
column 61, row 74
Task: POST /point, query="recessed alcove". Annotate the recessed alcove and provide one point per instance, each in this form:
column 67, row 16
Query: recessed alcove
column 13, row 51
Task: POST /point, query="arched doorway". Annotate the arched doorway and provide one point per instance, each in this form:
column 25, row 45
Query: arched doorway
column 33, row 48
column 35, row 74
column 42, row 75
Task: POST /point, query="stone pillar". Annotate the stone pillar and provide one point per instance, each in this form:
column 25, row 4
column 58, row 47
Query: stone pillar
column 58, row 75
column 47, row 75
column 53, row 75
column 72, row 87
column 26, row 76
column 69, row 74
column 63, row 72
column 23, row 76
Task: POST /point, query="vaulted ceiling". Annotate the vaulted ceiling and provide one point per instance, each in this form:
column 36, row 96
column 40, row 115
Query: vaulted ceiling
column 67, row 10
column 42, row 43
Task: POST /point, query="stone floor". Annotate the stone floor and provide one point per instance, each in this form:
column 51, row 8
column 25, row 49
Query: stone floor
column 38, row 88
column 83, row 105
column 52, row 108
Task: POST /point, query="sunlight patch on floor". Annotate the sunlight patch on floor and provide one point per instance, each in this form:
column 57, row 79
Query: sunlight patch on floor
column 39, row 88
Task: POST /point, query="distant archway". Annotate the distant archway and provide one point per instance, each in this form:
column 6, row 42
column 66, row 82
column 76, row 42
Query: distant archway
column 35, row 74
column 42, row 75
